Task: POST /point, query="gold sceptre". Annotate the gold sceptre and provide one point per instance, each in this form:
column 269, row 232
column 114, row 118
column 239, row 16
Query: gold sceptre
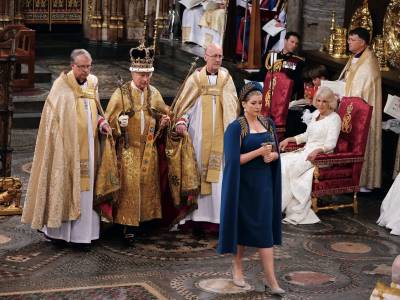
column 193, row 65
column 124, row 132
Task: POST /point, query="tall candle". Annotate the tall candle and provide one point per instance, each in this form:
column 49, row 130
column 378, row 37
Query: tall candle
column 157, row 8
column 146, row 8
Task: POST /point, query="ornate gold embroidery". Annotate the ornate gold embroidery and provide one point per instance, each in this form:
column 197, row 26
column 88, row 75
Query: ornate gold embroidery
column 346, row 122
column 84, row 168
column 268, row 95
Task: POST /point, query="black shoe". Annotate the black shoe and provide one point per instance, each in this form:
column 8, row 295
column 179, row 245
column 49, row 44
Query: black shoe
column 129, row 239
column 198, row 233
column 55, row 242
column 81, row 247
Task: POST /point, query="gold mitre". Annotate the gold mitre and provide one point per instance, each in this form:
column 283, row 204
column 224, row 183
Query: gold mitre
column 142, row 58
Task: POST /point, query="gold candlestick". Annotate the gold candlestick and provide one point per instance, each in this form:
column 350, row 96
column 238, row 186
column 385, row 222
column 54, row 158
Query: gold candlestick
column 339, row 48
column 156, row 32
column 380, row 48
column 145, row 28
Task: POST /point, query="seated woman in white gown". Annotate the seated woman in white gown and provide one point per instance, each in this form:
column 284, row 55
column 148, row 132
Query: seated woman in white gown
column 297, row 169
column 390, row 208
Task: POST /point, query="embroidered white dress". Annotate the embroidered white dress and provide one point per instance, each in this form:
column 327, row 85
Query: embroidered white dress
column 87, row 227
column 297, row 172
column 390, row 208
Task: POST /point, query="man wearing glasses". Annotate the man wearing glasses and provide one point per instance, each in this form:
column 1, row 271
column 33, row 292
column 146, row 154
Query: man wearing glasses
column 363, row 79
column 207, row 105
column 59, row 199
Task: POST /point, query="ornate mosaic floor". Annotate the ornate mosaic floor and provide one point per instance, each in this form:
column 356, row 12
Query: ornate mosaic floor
column 341, row 258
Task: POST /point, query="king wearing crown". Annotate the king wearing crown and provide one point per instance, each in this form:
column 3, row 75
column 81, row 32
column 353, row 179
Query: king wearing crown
column 137, row 113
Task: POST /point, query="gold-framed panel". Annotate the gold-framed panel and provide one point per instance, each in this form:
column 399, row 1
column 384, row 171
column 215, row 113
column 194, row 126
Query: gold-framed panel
column 53, row 11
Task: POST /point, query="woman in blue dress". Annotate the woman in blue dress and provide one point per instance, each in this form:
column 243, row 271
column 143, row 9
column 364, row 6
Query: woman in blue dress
column 251, row 189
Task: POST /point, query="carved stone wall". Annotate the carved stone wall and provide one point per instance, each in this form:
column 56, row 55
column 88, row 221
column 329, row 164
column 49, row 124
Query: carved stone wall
column 312, row 19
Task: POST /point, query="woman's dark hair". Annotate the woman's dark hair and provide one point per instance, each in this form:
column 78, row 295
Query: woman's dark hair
column 318, row 71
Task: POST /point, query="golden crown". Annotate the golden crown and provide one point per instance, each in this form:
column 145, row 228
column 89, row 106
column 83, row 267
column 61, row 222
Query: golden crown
column 142, row 58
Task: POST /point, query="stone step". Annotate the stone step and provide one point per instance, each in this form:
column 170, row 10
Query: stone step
column 42, row 75
column 27, row 114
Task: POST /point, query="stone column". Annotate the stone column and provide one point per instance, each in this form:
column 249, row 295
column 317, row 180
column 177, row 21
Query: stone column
column 4, row 13
column 116, row 25
column 295, row 15
column 134, row 19
column 106, row 20
column 18, row 17
column 94, row 20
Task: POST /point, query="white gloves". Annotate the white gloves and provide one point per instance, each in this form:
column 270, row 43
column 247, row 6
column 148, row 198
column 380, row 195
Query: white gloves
column 123, row 121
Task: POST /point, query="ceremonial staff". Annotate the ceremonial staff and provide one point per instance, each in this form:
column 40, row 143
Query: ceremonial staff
column 244, row 31
column 273, row 58
column 192, row 67
column 124, row 132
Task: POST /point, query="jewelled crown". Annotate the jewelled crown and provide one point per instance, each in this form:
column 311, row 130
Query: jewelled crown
column 142, row 59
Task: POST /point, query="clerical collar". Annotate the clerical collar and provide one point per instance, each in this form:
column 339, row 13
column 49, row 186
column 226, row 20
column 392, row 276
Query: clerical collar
column 81, row 82
column 208, row 73
column 357, row 55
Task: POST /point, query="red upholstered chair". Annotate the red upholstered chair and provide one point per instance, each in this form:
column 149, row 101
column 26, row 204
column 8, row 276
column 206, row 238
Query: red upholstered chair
column 278, row 108
column 339, row 172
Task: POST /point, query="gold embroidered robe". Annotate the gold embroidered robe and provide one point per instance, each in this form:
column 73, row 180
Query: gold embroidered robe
column 138, row 199
column 195, row 91
column 53, row 193
column 363, row 79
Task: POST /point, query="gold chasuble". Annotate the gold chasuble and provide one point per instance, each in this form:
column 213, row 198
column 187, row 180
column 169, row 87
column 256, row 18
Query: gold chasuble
column 138, row 199
column 60, row 163
column 363, row 79
column 219, row 107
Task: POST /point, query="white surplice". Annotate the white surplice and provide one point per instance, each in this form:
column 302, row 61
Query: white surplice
column 209, row 206
column 390, row 208
column 297, row 172
column 87, row 227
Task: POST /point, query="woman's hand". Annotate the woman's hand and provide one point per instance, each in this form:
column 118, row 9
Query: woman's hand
column 311, row 157
column 264, row 150
column 271, row 157
column 284, row 143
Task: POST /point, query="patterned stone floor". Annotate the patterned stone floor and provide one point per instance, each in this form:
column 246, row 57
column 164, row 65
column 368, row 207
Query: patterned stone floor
column 340, row 258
